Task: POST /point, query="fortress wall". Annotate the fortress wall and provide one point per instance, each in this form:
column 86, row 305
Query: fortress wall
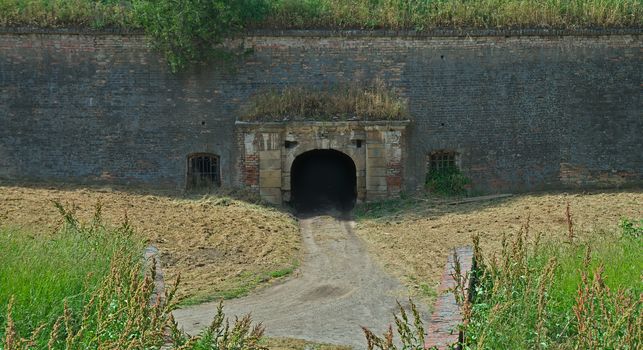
column 523, row 112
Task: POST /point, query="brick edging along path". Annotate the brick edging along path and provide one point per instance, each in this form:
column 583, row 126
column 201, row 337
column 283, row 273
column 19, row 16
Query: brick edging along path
column 443, row 331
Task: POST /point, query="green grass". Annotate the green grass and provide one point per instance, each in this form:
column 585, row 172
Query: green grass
column 368, row 14
column 283, row 272
column 41, row 272
column 560, row 295
column 242, row 286
column 191, row 31
column 67, row 13
column 86, row 287
column 426, row 14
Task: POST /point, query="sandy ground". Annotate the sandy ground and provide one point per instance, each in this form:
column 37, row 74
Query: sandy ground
column 338, row 289
column 412, row 238
column 220, row 246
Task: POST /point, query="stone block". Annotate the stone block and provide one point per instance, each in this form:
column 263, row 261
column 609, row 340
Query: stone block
column 271, row 194
column 273, row 154
column 270, row 163
column 379, row 162
column 270, row 178
column 376, row 171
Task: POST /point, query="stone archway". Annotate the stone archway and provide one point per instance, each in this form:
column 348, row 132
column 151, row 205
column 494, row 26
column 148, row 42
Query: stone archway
column 323, row 179
column 268, row 152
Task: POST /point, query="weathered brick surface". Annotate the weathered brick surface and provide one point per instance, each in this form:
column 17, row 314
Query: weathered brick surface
column 443, row 330
column 524, row 112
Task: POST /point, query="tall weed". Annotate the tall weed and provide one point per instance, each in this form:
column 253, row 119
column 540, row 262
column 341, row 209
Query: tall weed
column 542, row 296
column 90, row 289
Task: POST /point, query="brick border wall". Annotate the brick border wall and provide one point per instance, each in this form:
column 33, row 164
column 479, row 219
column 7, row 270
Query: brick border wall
column 443, row 329
column 151, row 255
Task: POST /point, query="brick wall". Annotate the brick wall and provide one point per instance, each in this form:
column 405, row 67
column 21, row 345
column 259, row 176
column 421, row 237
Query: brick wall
column 523, row 112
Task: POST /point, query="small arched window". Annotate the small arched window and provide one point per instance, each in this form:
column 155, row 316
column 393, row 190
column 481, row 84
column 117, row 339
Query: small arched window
column 203, row 171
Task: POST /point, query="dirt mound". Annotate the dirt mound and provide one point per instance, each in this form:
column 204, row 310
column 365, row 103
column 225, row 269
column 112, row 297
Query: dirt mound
column 220, row 246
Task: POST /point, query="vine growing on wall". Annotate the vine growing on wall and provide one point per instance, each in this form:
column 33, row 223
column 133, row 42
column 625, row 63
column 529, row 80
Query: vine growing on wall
column 187, row 31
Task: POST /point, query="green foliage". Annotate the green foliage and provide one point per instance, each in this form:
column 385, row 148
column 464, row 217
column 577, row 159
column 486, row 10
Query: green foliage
column 562, row 296
column 334, row 14
column 67, row 13
column 106, row 300
column 220, row 336
column 188, row 31
column 40, row 271
column 448, row 181
column 631, row 228
column 409, row 327
column 427, row 14
column 343, row 102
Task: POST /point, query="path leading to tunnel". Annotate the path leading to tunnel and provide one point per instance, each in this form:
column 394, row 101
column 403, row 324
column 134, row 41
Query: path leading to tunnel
column 337, row 289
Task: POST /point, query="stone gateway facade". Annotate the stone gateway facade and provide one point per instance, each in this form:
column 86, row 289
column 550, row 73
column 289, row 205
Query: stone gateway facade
column 270, row 149
column 516, row 111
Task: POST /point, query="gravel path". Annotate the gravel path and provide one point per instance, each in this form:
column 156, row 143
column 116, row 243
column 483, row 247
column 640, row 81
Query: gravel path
column 337, row 289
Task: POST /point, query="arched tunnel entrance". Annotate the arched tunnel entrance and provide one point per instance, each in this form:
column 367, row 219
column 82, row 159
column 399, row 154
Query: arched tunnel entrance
column 323, row 179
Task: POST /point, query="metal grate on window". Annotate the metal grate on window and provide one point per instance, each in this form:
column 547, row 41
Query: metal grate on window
column 203, row 171
column 442, row 160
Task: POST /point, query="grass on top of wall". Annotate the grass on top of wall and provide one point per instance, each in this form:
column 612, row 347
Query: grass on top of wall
column 354, row 14
column 68, row 13
column 427, row 14
column 343, row 102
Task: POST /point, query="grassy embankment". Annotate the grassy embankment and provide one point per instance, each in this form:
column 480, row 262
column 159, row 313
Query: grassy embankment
column 579, row 293
column 584, row 294
column 39, row 271
column 412, row 237
column 221, row 247
column 393, row 14
column 85, row 286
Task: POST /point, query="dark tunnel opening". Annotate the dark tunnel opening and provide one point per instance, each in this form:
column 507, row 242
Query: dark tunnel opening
column 323, row 179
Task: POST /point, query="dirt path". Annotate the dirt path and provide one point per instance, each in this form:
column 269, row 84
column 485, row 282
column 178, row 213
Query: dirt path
column 337, row 290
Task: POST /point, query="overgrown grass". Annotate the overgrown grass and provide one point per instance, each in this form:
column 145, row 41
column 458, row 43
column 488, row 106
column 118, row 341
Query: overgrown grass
column 68, row 13
column 86, row 287
column 190, row 31
column 427, row 14
column 577, row 295
column 40, row 271
column 395, row 14
column 348, row 102
column 448, row 181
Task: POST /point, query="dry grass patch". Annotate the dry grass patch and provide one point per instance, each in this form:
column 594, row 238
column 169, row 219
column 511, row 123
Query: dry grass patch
column 342, row 102
column 221, row 247
column 413, row 237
